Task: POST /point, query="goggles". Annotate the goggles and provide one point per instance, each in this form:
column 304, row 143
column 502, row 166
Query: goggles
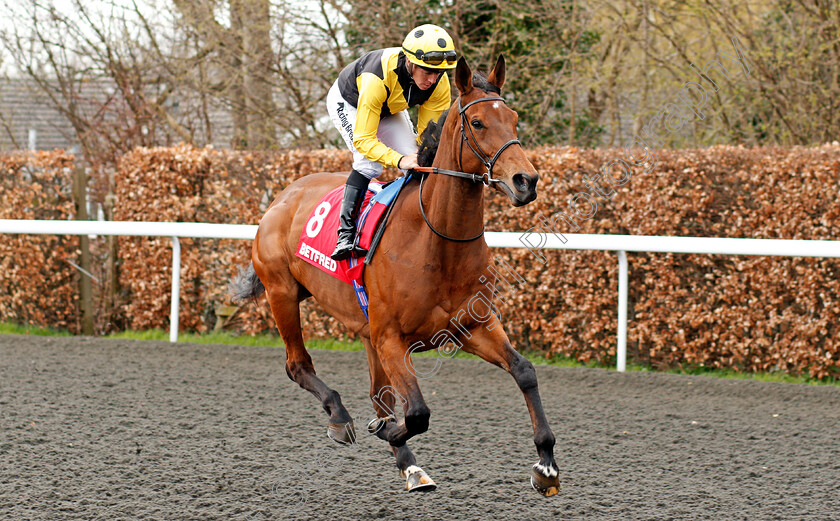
column 434, row 57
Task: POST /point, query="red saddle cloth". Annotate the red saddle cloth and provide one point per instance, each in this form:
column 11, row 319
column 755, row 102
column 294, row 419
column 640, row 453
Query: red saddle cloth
column 319, row 236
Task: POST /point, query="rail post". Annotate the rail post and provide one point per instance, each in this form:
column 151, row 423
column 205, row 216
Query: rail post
column 621, row 353
column 176, row 289
column 85, row 286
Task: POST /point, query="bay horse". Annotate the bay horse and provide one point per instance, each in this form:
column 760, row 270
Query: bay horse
column 424, row 273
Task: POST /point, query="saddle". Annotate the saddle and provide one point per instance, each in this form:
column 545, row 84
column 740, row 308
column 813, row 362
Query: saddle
column 319, row 235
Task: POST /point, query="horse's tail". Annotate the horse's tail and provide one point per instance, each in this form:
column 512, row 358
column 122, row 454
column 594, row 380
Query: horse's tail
column 246, row 284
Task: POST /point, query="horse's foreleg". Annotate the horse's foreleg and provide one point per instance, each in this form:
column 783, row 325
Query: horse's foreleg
column 384, row 398
column 495, row 347
column 403, row 384
column 286, row 310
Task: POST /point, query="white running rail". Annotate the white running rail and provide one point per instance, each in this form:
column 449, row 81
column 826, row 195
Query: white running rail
column 618, row 243
column 144, row 229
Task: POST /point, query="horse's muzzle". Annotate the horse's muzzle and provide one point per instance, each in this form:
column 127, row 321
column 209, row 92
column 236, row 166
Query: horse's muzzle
column 524, row 189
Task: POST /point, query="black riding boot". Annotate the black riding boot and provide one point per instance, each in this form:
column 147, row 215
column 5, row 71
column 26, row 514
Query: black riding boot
column 354, row 194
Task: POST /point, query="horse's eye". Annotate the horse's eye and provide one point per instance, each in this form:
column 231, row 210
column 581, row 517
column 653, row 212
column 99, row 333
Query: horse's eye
column 478, row 125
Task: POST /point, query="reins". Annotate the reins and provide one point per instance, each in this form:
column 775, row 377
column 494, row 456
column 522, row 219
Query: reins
column 423, row 213
column 486, row 178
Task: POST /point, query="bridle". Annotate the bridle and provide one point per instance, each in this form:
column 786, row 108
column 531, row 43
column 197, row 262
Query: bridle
column 486, row 178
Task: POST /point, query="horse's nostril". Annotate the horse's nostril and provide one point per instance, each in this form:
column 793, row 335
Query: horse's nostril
column 520, row 182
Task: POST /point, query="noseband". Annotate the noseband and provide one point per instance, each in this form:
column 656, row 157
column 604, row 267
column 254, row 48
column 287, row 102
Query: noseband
column 486, row 178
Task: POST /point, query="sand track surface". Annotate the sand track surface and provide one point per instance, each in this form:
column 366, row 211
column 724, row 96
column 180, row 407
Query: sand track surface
column 100, row 429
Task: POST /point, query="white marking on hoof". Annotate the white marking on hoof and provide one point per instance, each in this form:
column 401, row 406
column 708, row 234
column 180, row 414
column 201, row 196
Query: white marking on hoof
column 376, row 424
column 417, row 479
column 545, row 471
column 410, row 470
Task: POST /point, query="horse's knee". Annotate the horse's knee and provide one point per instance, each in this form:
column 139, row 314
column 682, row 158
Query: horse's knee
column 524, row 373
column 417, row 419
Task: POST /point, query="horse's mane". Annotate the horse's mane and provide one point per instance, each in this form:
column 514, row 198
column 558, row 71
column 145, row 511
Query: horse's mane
column 430, row 139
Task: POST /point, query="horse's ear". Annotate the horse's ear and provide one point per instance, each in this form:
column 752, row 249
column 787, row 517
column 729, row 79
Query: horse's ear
column 497, row 75
column 463, row 77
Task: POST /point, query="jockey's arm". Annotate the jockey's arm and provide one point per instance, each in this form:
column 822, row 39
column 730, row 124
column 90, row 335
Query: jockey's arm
column 372, row 96
column 437, row 103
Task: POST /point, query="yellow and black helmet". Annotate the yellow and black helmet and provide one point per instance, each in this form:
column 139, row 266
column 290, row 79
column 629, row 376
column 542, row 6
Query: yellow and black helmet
column 431, row 47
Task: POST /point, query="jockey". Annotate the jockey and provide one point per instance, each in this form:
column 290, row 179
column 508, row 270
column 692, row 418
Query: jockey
column 368, row 103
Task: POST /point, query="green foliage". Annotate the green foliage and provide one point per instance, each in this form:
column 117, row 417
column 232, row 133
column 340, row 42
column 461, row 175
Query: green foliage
column 592, row 74
column 8, row 328
column 787, row 92
column 539, row 44
column 226, row 337
column 536, row 38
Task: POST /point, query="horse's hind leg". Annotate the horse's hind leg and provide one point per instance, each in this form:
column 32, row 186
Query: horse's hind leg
column 384, row 398
column 284, row 299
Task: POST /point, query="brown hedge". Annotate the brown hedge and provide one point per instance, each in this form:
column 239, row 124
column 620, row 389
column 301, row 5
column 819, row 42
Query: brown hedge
column 185, row 184
column 38, row 285
column 748, row 313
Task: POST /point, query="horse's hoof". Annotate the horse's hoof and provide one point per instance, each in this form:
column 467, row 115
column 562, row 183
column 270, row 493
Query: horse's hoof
column 545, row 480
column 342, row 433
column 416, row 479
column 376, row 424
